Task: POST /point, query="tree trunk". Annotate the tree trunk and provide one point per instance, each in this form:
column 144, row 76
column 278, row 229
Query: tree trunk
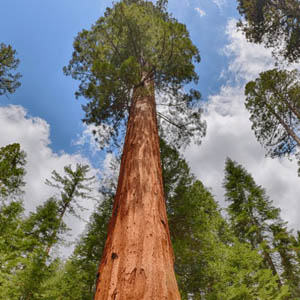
column 138, row 260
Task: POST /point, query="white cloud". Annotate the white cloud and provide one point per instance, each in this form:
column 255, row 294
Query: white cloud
column 33, row 135
column 200, row 11
column 87, row 138
column 247, row 59
column 219, row 3
column 229, row 133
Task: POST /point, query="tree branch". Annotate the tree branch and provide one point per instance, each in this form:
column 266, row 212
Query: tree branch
column 169, row 121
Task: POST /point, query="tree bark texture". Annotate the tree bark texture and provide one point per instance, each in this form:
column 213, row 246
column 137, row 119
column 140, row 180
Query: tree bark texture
column 138, row 260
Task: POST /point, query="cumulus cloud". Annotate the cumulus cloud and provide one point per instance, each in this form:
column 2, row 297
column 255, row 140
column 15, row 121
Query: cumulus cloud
column 33, row 135
column 247, row 60
column 200, row 11
column 229, row 133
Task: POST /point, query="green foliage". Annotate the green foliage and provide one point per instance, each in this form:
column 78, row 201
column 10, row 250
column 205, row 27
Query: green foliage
column 44, row 225
column 175, row 169
column 284, row 244
column 256, row 222
column 25, row 243
column 241, row 276
column 210, row 263
column 76, row 279
column 73, row 186
column 275, row 23
column 274, row 106
column 22, row 257
column 9, row 81
column 135, row 41
column 12, row 162
column 67, row 283
column 195, row 223
column 11, row 244
column 250, row 210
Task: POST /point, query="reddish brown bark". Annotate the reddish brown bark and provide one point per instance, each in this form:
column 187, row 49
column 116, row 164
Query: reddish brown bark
column 138, row 260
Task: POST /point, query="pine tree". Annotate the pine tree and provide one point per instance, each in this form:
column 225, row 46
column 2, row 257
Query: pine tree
column 73, row 186
column 9, row 81
column 12, row 172
column 41, row 231
column 76, row 279
column 136, row 50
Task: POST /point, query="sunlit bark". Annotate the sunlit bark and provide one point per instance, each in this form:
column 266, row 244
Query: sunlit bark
column 138, row 260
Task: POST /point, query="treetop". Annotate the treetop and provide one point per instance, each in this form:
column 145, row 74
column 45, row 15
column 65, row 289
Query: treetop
column 134, row 41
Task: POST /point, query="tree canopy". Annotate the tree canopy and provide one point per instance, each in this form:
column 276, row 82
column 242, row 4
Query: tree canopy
column 135, row 41
column 9, row 80
column 12, row 162
column 257, row 222
column 275, row 23
column 274, row 106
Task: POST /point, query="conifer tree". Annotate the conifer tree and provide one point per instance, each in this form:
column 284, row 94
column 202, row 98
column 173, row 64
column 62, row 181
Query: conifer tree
column 12, row 162
column 135, row 51
column 256, row 221
column 275, row 23
column 9, row 81
column 249, row 210
column 283, row 243
column 42, row 230
column 12, row 247
column 274, row 106
column 74, row 186
column 272, row 99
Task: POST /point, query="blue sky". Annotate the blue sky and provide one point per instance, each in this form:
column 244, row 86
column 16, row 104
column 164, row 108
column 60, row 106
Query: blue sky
column 42, row 32
column 44, row 117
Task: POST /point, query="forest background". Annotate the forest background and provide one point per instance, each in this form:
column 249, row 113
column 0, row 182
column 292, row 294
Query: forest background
column 44, row 118
column 45, row 104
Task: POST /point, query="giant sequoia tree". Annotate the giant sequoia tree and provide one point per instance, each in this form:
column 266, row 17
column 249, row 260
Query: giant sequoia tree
column 136, row 51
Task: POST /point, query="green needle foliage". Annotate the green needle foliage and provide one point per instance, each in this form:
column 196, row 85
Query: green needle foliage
column 25, row 243
column 257, row 222
column 9, row 81
column 274, row 106
column 11, row 245
column 12, row 162
column 249, row 209
column 283, row 243
column 76, row 279
column 73, row 187
column 135, row 41
column 275, row 23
